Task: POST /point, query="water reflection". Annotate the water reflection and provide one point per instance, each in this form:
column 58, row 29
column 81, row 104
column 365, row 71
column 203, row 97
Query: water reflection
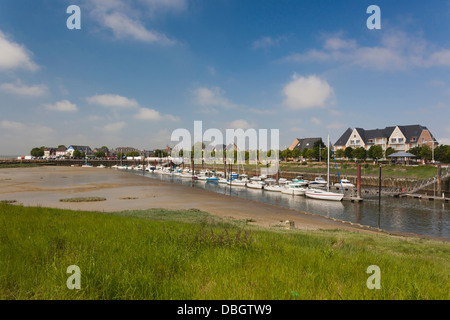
column 395, row 214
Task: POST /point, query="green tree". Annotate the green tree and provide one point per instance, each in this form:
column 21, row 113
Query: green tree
column 37, row 152
column 296, row 153
column 62, row 146
column 348, row 153
column 359, row 153
column 375, row 152
column 340, row 153
column 76, row 154
column 426, row 152
column 286, row 154
column 416, row 151
column 324, row 154
column 311, row 154
column 305, row 153
column 100, row 154
column 389, row 151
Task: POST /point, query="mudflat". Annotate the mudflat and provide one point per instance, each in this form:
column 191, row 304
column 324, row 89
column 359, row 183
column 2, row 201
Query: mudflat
column 46, row 186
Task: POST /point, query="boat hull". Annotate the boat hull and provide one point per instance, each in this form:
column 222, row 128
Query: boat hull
column 331, row 196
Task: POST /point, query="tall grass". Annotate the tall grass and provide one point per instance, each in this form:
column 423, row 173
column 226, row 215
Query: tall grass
column 160, row 254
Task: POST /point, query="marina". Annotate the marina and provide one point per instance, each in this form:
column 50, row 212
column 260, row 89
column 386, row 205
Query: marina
column 403, row 214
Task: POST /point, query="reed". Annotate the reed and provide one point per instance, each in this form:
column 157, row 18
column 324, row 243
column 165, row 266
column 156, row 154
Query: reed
column 163, row 254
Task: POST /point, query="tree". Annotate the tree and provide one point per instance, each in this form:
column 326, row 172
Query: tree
column 324, row 153
column 389, row 151
column 426, row 152
column 37, row 152
column 348, row 153
column 442, row 153
column 100, row 154
column 62, row 146
column 296, row 153
column 416, row 151
column 311, row 154
column 359, row 153
column 305, row 153
column 375, row 152
column 340, row 153
column 286, row 154
column 76, row 154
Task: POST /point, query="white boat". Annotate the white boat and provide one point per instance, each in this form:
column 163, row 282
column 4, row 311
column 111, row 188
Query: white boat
column 301, row 182
column 294, row 189
column 318, row 182
column 255, row 185
column 345, row 183
column 202, row 177
column 222, row 181
column 186, row 175
column 237, row 183
column 87, row 166
column 273, row 187
column 115, row 166
column 324, row 195
column 101, row 166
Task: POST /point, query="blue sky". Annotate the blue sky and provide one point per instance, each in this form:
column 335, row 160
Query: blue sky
column 139, row 69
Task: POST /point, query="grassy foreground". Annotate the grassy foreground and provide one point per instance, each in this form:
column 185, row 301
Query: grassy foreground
column 160, row 254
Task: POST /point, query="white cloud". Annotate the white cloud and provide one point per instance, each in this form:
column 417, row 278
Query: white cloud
column 112, row 100
column 208, row 98
column 396, row 51
column 61, row 106
column 126, row 19
column 240, row 124
column 14, row 55
column 12, row 125
column 153, row 115
column 24, row 90
column 307, row 92
column 114, row 127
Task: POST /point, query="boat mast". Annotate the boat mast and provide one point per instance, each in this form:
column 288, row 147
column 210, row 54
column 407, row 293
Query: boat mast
column 328, row 164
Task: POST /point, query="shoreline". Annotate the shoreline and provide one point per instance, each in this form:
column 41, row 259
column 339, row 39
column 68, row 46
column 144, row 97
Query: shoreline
column 45, row 186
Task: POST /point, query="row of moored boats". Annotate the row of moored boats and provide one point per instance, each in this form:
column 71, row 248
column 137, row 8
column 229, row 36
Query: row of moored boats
column 316, row 189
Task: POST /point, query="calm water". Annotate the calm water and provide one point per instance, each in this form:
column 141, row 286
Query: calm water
column 396, row 214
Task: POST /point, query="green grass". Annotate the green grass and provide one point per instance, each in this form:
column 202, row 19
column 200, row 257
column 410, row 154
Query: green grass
column 392, row 171
column 161, row 254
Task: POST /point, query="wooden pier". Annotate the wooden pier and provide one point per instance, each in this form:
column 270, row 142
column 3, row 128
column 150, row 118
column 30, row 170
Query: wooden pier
column 424, row 197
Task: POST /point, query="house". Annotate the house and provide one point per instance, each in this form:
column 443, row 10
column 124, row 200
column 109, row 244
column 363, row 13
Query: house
column 400, row 138
column 61, row 152
column 49, row 152
column 83, row 149
column 125, row 150
column 302, row 144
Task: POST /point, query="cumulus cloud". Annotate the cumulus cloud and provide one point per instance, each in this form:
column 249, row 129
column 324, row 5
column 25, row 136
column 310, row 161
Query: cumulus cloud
column 62, row 106
column 114, row 127
column 153, row 115
column 126, row 19
column 112, row 100
column 307, row 92
column 211, row 98
column 396, row 50
column 24, row 90
column 240, row 124
column 14, row 55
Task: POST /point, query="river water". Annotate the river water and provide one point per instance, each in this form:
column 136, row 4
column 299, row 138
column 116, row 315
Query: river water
column 409, row 215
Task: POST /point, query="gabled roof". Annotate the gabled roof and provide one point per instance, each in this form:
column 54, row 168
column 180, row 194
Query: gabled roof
column 306, row 143
column 344, row 138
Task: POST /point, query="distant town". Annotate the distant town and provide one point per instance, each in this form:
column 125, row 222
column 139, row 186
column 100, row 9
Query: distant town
column 414, row 142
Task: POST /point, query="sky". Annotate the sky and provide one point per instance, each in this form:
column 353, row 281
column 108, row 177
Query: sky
column 139, row 69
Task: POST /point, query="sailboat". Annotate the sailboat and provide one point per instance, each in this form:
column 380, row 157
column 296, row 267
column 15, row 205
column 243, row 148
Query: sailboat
column 322, row 194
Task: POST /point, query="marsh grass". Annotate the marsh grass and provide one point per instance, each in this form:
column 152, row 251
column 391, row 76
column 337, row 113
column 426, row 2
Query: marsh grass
column 163, row 254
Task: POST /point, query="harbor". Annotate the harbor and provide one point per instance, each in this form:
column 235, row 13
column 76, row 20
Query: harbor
column 395, row 214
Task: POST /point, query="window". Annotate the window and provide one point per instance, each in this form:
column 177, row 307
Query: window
column 400, row 140
column 370, row 140
column 394, row 140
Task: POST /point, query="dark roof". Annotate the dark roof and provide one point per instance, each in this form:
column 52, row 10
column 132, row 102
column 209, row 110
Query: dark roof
column 79, row 147
column 306, row 143
column 401, row 155
column 409, row 131
column 344, row 138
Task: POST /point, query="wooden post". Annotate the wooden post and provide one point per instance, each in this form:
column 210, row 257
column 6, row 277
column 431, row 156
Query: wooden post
column 358, row 181
column 439, row 178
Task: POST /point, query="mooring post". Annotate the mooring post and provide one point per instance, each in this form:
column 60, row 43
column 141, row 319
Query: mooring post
column 439, row 178
column 358, row 181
